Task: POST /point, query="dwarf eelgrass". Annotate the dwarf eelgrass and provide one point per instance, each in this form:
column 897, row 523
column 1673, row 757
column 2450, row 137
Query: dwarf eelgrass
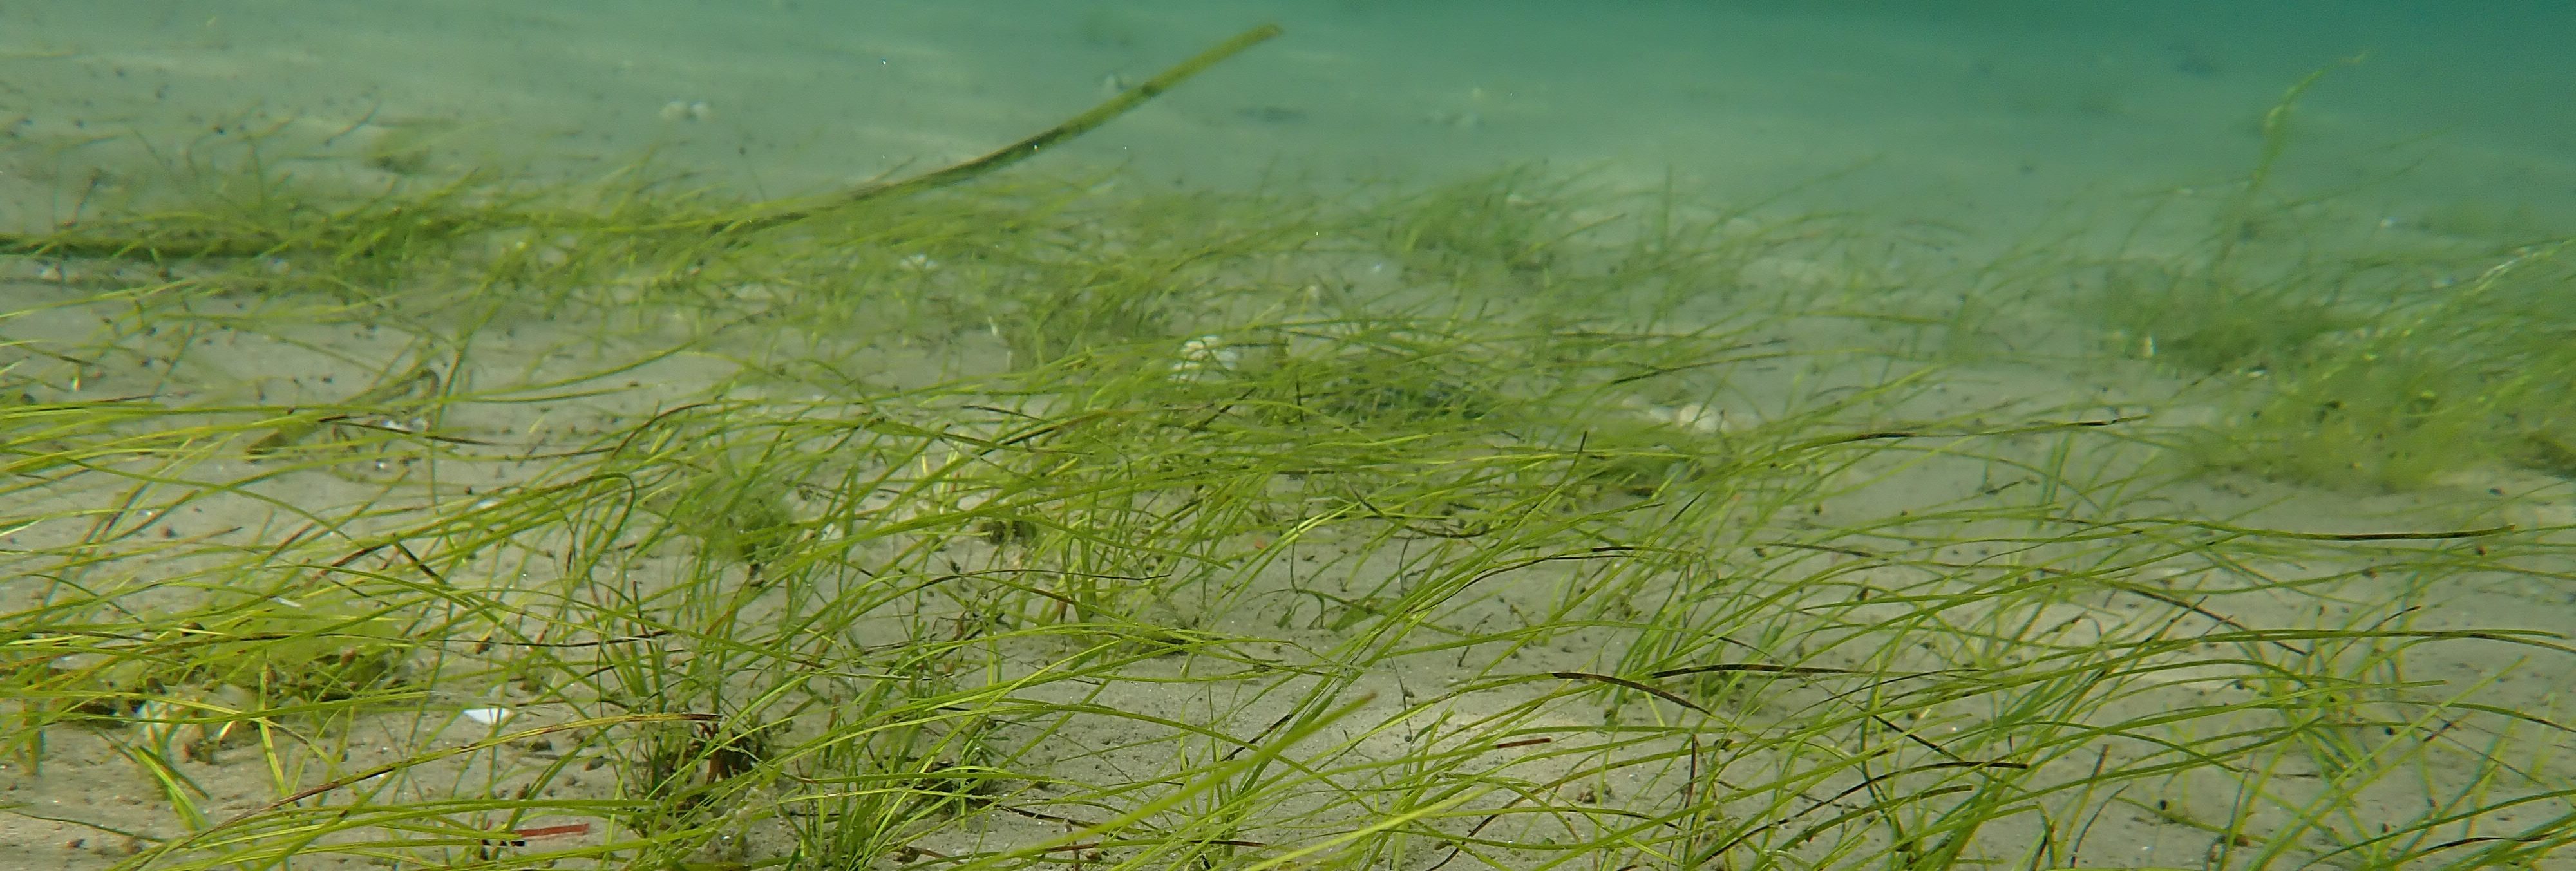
column 2359, row 359
column 1022, row 526
column 2430, row 389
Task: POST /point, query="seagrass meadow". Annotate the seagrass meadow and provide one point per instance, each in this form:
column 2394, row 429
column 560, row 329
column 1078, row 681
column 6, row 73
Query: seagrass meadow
column 360, row 509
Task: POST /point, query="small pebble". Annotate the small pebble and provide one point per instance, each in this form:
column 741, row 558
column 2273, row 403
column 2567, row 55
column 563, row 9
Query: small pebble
column 687, row 110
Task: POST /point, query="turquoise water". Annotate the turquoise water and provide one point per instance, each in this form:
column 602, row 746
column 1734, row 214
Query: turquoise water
column 1983, row 114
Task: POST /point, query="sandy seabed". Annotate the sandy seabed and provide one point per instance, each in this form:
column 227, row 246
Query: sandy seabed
column 1967, row 139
